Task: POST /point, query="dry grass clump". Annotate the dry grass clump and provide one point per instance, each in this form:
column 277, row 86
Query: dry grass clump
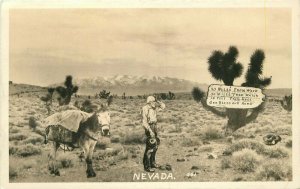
column 175, row 129
column 24, row 150
column 103, row 154
column 187, row 142
column 18, row 136
column 32, row 122
column 103, row 143
column 115, row 139
column 27, row 164
column 12, row 150
column 271, row 152
column 245, row 143
column 212, row 133
column 34, row 140
column 289, row 144
column 133, row 137
column 276, row 152
column 66, row 160
column 274, row 170
column 13, row 171
column 14, row 130
column 225, row 163
column 245, row 160
column 206, row 149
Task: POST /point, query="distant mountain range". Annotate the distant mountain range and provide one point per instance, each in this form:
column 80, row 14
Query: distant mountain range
column 134, row 85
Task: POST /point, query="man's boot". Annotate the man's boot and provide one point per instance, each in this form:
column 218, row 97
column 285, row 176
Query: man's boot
column 152, row 159
column 146, row 160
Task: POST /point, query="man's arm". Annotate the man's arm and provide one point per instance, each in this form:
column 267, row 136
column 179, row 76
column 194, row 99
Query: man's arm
column 161, row 106
column 145, row 118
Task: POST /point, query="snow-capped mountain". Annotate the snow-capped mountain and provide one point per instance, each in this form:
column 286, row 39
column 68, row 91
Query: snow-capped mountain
column 134, row 85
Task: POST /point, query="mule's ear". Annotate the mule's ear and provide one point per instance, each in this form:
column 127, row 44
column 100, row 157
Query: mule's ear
column 109, row 100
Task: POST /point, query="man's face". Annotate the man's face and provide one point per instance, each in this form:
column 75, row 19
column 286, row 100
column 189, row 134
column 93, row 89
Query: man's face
column 153, row 104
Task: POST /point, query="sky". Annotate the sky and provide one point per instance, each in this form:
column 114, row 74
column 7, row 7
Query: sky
column 48, row 44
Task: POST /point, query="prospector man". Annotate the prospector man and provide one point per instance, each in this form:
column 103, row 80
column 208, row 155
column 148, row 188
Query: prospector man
column 149, row 113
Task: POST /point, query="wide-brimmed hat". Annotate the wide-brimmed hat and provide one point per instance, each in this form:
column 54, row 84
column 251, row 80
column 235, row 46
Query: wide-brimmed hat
column 150, row 99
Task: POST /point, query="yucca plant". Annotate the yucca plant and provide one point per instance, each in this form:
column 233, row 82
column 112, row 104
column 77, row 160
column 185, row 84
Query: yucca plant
column 225, row 67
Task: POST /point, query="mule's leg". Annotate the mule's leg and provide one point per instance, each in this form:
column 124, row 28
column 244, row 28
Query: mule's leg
column 90, row 157
column 86, row 145
column 52, row 159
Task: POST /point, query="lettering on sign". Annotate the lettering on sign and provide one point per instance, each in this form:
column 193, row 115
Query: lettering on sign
column 234, row 97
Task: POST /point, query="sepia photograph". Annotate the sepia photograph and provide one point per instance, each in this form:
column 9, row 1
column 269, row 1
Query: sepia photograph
column 142, row 95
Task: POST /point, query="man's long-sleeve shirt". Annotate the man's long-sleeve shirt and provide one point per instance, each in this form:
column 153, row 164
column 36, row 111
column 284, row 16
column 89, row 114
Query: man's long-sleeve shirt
column 149, row 114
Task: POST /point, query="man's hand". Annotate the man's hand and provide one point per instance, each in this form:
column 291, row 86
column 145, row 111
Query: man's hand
column 151, row 133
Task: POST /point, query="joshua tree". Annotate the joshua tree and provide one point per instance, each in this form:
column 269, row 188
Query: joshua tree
column 104, row 94
column 48, row 99
column 65, row 93
column 224, row 67
column 287, row 103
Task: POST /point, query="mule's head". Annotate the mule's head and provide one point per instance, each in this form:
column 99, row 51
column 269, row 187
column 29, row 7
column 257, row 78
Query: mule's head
column 104, row 117
column 104, row 121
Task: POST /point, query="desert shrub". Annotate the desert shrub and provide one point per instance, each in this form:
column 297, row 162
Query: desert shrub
column 176, row 129
column 133, row 137
column 13, row 171
column 28, row 164
column 289, row 144
column 237, row 179
column 103, row 144
column 274, row 171
column 206, row 149
column 197, row 132
column 123, row 155
column 212, row 133
column 18, row 136
column 129, row 124
column 65, row 161
column 34, row 140
column 186, row 142
column 115, row 138
column 103, row 154
column 277, row 152
column 245, row 160
column 14, row 130
column 28, row 150
column 12, row 150
column 32, row 123
column 245, row 143
column 225, row 163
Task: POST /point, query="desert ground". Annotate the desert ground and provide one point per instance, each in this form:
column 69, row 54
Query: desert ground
column 192, row 142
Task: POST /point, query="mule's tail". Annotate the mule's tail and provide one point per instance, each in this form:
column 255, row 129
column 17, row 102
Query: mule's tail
column 46, row 135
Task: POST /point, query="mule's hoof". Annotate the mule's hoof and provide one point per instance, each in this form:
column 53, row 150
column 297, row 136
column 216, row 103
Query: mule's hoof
column 90, row 174
column 55, row 172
